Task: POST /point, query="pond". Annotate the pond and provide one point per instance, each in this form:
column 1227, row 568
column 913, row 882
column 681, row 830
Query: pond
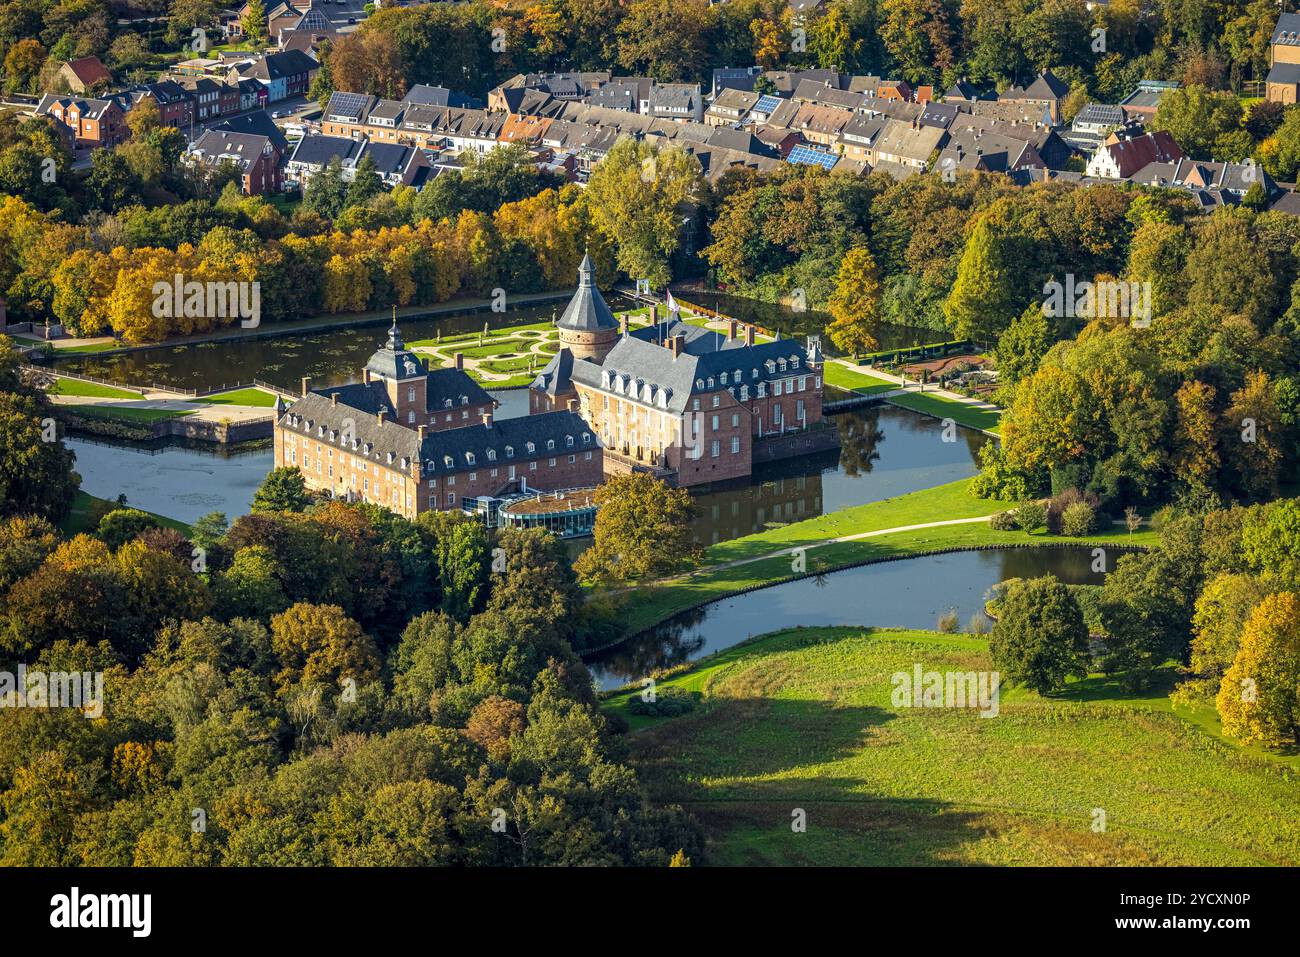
column 909, row 593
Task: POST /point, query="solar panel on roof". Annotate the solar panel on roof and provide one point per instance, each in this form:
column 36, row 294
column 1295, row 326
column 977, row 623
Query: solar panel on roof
column 767, row 103
column 806, row 155
column 350, row 104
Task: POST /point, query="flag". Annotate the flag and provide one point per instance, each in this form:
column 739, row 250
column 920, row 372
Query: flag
column 672, row 303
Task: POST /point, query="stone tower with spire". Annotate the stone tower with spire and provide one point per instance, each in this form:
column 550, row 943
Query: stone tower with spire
column 588, row 328
column 403, row 375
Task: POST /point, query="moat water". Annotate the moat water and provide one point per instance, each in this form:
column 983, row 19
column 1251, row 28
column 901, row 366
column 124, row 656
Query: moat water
column 909, row 593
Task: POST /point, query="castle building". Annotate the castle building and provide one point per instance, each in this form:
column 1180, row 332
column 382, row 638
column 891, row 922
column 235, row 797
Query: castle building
column 414, row 440
column 689, row 405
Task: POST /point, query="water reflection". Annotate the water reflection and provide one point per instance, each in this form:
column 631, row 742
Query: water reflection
column 911, row 593
column 332, row 357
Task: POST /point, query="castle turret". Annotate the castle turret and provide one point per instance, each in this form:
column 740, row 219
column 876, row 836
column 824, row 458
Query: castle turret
column 588, row 327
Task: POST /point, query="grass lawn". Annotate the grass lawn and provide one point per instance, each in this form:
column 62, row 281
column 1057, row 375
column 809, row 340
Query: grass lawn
column 87, row 511
column 91, row 389
column 654, row 603
column 833, row 373
column 125, row 413
column 984, row 419
column 517, row 364
column 250, row 397
column 89, row 349
column 804, row 719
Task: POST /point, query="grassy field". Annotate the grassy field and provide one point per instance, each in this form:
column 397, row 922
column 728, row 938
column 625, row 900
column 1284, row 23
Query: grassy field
column 126, row 413
column 79, row 387
column 87, row 511
column 844, row 378
column 653, row 603
column 804, row 719
column 249, row 397
column 960, row 412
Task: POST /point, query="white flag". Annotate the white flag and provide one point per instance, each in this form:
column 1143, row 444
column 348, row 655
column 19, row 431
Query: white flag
column 672, row 303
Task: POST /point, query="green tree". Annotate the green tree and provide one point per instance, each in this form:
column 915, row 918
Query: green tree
column 981, row 303
column 283, row 490
column 1196, row 117
column 1040, row 638
column 638, row 196
column 643, row 530
column 122, row 525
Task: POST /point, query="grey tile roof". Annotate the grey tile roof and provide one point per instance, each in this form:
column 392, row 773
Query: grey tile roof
column 587, row 311
column 669, row 381
column 319, row 150
column 217, row 146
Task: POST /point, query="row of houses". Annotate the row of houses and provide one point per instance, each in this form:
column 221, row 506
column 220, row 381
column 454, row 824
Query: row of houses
column 193, row 95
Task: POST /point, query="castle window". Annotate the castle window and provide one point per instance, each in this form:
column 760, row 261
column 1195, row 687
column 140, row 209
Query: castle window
column 492, row 455
column 737, row 375
column 794, row 361
column 550, row 444
column 410, row 418
column 410, row 395
column 446, row 403
column 510, row 451
column 530, row 447
column 723, row 378
column 699, row 383
column 448, row 461
column 469, row 458
column 568, row 441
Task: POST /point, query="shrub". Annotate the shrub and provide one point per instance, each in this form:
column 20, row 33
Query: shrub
column 668, row 703
column 948, row 621
column 1031, row 515
column 1003, row 522
column 978, row 624
column 1059, row 503
column 1079, row 519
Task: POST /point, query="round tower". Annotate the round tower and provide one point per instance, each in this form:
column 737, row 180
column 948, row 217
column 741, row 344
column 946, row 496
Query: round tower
column 587, row 328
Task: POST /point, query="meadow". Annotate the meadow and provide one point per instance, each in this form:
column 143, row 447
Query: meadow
column 803, row 719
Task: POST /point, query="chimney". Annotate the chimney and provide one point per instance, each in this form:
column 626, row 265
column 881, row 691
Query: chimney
column 334, row 399
column 420, row 429
column 460, row 360
column 749, row 335
column 365, row 376
column 573, row 405
column 731, row 329
column 383, row 414
column 675, row 344
column 487, row 419
column 306, row 384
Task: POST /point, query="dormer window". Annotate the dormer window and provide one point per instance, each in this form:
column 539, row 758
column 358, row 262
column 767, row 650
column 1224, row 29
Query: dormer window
column 492, row 455
column 699, row 383
column 510, row 451
column 737, row 375
column 448, row 461
column 586, row 437
column 530, row 448
column 723, row 378
column 781, row 363
column 550, row 445
column 446, row 403
column 794, row 362
column 389, row 458
column 568, row 441
column 755, row 374
column 469, row 458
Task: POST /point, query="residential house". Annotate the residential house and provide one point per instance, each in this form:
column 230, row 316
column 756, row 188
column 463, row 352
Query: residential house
column 676, row 101
column 313, row 153
column 1140, row 106
column 284, row 74
column 730, row 107
column 256, row 157
column 909, row 146
column 1121, row 158
column 1283, row 82
column 1211, row 184
column 85, row 75
column 1046, row 94
column 85, row 122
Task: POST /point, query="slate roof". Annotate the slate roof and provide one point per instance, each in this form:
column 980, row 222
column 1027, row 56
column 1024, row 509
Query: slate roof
column 443, row 452
column 256, row 121
column 1284, row 73
column 669, row 381
column 217, row 146
column 440, row 96
column 1287, row 29
column 319, row 150
column 1048, row 86
column 587, row 311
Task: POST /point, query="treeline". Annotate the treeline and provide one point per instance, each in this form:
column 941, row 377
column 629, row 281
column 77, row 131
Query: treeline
column 317, row 684
column 1102, row 52
column 1218, row 597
